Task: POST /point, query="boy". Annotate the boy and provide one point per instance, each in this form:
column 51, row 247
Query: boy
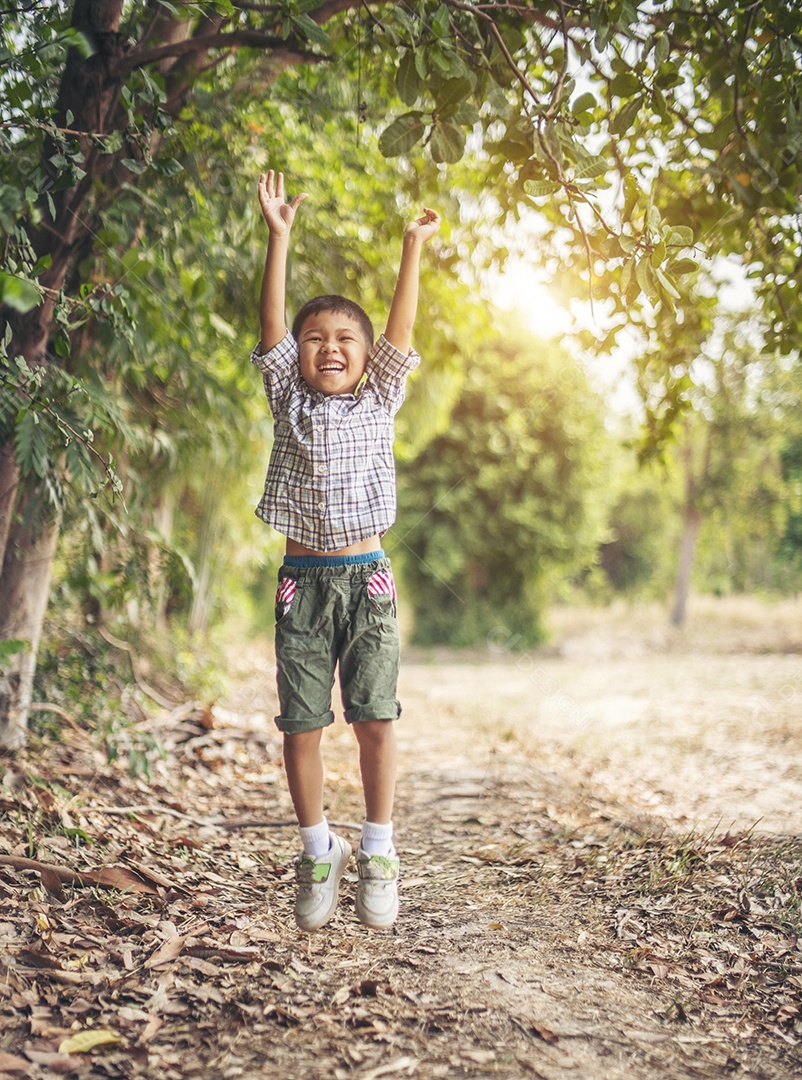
column 330, row 489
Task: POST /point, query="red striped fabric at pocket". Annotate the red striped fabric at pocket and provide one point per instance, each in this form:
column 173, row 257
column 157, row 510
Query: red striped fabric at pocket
column 286, row 591
column 381, row 584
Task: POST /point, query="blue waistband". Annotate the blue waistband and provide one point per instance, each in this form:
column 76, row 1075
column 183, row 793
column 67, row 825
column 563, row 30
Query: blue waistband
column 333, row 560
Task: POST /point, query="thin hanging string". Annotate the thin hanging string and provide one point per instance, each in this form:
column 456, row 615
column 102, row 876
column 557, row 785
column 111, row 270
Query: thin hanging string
column 361, row 107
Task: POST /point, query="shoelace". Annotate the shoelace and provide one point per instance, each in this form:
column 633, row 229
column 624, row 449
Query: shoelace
column 307, row 872
column 378, row 868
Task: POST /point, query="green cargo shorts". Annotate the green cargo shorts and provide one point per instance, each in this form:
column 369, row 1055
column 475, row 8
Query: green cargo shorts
column 327, row 615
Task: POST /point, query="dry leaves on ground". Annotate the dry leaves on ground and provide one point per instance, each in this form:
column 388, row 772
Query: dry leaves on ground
column 147, row 929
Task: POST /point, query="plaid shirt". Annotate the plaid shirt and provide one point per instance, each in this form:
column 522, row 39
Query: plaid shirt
column 331, row 477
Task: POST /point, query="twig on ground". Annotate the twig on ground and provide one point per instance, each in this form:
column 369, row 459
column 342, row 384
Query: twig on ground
column 47, row 706
column 147, row 808
column 154, row 695
column 259, row 823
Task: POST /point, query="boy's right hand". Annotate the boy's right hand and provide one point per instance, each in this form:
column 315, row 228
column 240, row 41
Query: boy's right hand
column 277, row 213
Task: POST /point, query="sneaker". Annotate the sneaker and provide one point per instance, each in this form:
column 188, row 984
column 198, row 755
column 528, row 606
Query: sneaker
column 377, row 889
column 319, row 884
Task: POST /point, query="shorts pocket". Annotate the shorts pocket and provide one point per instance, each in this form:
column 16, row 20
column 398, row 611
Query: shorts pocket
column 381, row 592
column 285, row 595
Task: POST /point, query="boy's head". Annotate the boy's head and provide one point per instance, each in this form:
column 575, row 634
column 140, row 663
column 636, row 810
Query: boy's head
column 334, row 338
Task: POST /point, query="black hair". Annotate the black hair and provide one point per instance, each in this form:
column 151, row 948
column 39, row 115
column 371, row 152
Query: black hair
column 340, row 306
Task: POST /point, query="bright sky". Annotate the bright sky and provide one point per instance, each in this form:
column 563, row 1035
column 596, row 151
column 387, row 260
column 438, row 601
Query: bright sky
column 520, row 288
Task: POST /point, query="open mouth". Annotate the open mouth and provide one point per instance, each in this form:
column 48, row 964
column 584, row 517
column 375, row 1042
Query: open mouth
column 331, row 369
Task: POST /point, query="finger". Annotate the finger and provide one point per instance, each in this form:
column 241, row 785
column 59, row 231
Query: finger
column 270, row 191
column 296, row 202
column 280, row 186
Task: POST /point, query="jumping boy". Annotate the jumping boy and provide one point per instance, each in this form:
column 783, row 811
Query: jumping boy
column 330, row 489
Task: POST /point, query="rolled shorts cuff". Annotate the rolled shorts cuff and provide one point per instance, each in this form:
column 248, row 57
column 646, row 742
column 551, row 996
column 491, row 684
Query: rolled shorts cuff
column 381, row 709
column 312, row 723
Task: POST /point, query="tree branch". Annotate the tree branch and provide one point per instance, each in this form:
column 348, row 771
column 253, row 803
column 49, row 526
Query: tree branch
column 555, row 94
column 254, row 39
column 519, row 9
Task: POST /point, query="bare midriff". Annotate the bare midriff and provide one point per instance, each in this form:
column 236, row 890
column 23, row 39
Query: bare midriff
column 363, row 547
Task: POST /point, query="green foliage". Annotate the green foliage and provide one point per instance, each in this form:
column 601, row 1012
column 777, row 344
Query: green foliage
column 497, row 509
column 647, row 136
column 10, row 647
column 790, row 543
column 96, row 686
column 639, row 552
column 190, row 409
column 723, row 413
column 698, row 118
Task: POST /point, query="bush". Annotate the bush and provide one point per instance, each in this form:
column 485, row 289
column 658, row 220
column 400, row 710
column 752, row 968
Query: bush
column 505, row 502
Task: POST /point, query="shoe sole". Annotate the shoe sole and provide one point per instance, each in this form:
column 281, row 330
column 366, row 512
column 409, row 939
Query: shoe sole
column 375, row 924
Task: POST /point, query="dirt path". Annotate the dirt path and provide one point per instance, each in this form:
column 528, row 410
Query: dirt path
column 581, row 895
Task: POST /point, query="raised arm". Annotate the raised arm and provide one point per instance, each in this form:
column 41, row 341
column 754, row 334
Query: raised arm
column 279, row 216
column 405, row 299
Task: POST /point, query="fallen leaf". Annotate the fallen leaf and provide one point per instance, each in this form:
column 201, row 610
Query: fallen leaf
column 118, row 877
column 167, row 951
column 52, row 882
column 12, row 1063
column 150, row 874
column 544, row 1033
column 207, row 950
column 150, row 1029
column 57, row 1063
column 481, row 1057
column 46, row 800
column 404, row 1064
column 87, row 1040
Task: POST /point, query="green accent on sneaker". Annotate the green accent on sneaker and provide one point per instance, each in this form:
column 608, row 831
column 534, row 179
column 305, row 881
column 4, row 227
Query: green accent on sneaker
column 319, row 871
column 378, row 868
column 319, row 884
column 377, row 889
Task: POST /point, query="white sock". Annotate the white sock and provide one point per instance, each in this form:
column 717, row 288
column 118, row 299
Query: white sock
column 315, row 839
column 377, row 839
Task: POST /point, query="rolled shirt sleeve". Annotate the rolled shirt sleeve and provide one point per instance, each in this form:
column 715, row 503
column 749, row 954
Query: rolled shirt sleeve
column 280, row 370
column 388, row 368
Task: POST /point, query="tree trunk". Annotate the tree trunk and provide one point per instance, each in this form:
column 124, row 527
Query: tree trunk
column 89, row 95
column 89, row 90
column 206, row 562
column 9, row 481
column 24, row 588
column 163, row 515
column 693, row 521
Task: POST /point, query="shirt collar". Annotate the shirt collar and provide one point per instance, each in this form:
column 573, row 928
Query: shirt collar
column 318, row 397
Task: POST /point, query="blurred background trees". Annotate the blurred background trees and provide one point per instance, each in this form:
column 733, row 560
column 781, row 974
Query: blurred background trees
column 507, row 500
column 626, row 150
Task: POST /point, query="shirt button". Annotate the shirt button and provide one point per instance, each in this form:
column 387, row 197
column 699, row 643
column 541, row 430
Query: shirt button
column 322, row 470
column 321, row 506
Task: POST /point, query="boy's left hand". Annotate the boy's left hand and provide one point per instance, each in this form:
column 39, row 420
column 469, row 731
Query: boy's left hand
column 423, row 228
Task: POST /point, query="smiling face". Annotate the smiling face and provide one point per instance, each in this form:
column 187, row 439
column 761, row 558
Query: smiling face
column 333, row 352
